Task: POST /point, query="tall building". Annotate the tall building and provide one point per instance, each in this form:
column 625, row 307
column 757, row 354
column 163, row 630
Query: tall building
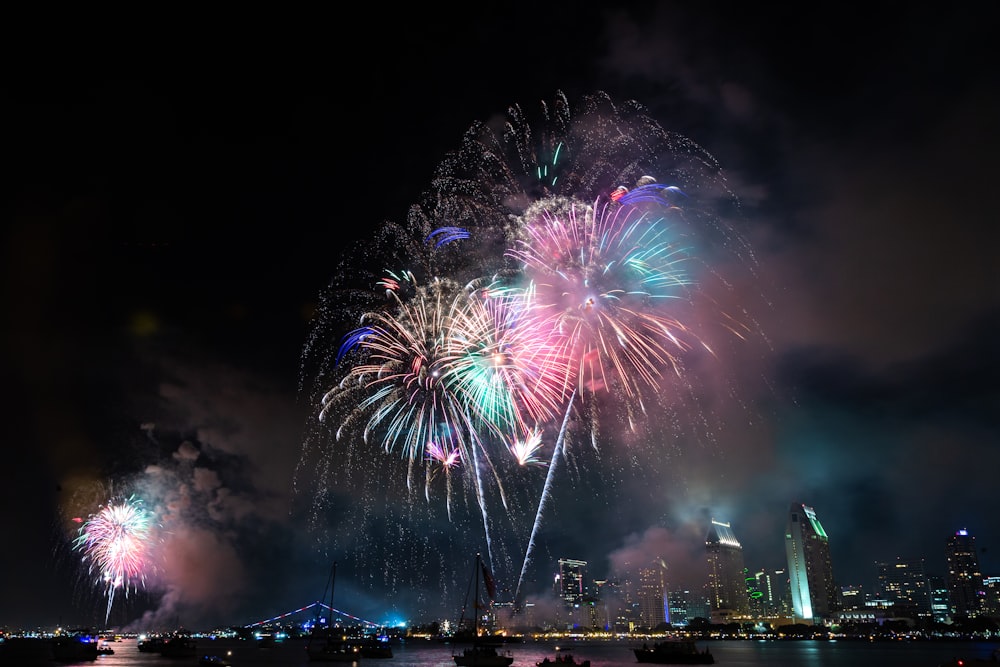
column 964, row 580
column 570, row 583
column 767, row 599
column 940, row 605
column 727, row 578
column 685, row 606
column 904, row 584
column 678, row 614
column 652, row 596
column 810, row 570
column 991, row 603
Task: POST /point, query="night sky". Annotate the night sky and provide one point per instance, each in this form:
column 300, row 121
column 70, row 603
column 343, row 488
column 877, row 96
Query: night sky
column 184, row 197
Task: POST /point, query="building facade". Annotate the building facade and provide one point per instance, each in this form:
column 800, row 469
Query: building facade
column 903, row 583
column 571, row 584
column 768, row 599
column 810, row 570
column 727, row 576
column 964, row 579
column 652, row 596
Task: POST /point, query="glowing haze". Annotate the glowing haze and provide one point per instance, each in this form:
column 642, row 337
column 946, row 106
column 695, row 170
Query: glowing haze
column 560, row 278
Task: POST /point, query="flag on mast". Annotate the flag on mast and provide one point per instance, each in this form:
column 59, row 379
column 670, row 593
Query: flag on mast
column 491, row 584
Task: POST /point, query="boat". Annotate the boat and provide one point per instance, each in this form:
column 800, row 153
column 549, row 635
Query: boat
column 674, row 652
column 74, row 647
column 179, row 646
column 562, row 660
column 375, row 648
column 483, row 655
column 328, row 644
column 24, row 651
column 485, row 651
column 150, row 643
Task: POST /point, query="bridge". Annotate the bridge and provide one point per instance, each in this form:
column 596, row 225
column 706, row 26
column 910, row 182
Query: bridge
column 321, row 605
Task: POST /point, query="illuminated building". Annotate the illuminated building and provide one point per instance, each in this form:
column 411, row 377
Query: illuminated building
column 652, row 596
column 570, row 582
column 727, row 578
column 767, row 599
column 940, row 605
column 810, row 571
column 964, row 580
column 904, row 584
column 991, row 603
column 677, row 608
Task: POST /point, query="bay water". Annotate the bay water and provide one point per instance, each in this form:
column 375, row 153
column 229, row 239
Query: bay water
column 617, row 653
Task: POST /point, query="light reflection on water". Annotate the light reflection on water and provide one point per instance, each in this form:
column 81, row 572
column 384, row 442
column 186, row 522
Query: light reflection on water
column 805, row 653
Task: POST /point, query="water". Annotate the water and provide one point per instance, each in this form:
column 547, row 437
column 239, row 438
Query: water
column 790, row 653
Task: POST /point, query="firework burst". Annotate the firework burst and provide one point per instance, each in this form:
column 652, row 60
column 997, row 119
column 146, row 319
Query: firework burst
column 115, row 543
column 603, row 280
column 549, row 275
column 526, row 451
column 442, row 373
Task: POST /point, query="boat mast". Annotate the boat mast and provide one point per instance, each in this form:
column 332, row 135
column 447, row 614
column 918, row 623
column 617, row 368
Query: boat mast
column 330, row 583
column 475, row 604
column 333, row 582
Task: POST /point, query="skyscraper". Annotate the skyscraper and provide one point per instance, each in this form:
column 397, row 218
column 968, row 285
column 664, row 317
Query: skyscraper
column 904, row 584
column 768, row 599
column 940, row 604
column 652, row 595
column 810, row 571
column 570, row 584
column 727, row 579
column 964, row 580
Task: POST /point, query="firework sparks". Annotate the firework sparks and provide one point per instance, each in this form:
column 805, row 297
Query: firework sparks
column 584, row 279
column 508, row 376
column 425, row 378
column 447, row 459
column 526, row 451
column 604, row 279
column 115, row 543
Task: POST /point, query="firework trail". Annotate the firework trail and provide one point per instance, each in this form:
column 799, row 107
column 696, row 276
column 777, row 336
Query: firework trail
column 115, row 543
column 603, row 280
column 542, row 501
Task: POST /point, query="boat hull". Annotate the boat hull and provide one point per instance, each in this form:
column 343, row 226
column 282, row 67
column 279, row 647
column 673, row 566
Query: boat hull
column 563, row 661
column 332, row 650
column 483, row 656
column 674, row 653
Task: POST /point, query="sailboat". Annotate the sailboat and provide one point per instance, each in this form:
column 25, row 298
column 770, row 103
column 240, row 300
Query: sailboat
column 329, row 644
column 482, row 653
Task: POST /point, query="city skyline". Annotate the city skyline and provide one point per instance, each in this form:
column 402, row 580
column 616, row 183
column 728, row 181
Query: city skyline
column 195, row 230
column 870, row 586
column 901, row 588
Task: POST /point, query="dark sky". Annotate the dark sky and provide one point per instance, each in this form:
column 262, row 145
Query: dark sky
column 182, row 194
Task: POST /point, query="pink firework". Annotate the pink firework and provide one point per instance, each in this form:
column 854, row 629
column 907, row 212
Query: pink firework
column 447, row 458
column 115, row 544
column 608, row 281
